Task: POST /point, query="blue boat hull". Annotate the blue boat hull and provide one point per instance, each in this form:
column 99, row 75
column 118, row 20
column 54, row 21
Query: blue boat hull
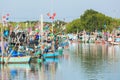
column 51, row 55
column 49, row 60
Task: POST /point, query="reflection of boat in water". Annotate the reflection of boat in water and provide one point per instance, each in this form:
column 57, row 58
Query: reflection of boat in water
column 18, row 66
column 31, row 71
column 14, row 71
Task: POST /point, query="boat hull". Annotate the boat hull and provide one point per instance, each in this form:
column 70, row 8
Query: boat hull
column 49, row 60
column 18, row 60
column 115, row 43
column 51, row 55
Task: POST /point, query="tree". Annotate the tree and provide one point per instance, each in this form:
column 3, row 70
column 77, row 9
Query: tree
column 92, row 20
column 74, row 26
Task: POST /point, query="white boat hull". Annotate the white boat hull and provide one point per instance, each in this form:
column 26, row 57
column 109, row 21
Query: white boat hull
column 17, row 60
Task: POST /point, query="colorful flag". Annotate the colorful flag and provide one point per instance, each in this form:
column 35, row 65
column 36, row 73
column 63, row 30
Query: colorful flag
column 5, row 19
column 51, row 16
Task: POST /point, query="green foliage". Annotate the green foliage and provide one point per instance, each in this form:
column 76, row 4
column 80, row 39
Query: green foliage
column 92, row 20
column 58, row 26
column 74, row 26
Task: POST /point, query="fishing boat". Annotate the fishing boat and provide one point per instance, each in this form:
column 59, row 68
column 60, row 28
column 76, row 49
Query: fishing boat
column 46, row 56
column 49, row 49
column 17, row 60
column 15, row 52
column 50, row 60
column 51, row 55
column 116, row 41
column 15, row 57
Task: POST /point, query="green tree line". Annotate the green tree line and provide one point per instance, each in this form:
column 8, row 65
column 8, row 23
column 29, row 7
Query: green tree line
column 92, row 20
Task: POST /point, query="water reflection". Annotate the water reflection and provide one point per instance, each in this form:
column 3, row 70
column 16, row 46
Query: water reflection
column 43, row 71
column 79, row 62
column 99, row 62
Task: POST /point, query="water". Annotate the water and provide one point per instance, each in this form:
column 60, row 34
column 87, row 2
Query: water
column 80, row 62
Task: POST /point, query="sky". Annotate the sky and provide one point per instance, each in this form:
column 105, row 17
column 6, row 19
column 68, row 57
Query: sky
column 67, row 10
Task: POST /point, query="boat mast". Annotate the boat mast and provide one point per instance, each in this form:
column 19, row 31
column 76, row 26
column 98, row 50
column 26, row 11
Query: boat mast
column 2, row 47
column 41, row 30
column 41, row 27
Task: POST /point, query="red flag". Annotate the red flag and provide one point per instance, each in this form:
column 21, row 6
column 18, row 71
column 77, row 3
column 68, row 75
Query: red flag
column 54, row 14
column 4, row 17
column 8, row 14
column 48, row 14
column 52, row 17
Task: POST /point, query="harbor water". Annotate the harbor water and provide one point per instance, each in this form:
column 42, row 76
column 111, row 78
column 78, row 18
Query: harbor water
column 83, row 61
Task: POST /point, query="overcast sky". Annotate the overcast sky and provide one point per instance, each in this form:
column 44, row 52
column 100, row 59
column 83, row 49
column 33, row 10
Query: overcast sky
column 68, row 10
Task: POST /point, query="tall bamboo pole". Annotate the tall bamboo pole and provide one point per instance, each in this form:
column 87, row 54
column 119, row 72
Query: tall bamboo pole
column 41, row 30
column 2, row 45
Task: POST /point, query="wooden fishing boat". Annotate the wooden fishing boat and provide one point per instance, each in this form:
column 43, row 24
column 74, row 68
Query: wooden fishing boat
column 51, row 55
column 15, row 57
column 115, row 43
column 17, row 60
column 54, row 54
column 49, row 60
